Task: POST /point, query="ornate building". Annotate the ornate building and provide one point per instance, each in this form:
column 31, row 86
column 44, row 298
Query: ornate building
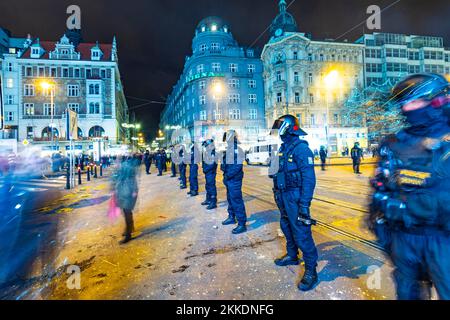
column 221, row 86
column 312, row 79
column 41, row 79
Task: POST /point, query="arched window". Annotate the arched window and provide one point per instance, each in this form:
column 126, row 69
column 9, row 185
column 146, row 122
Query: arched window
column 80, row 133
column 96, row 132
column 47, row 133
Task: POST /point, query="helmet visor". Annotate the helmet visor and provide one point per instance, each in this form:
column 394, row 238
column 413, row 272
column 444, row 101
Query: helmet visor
column 281, row 126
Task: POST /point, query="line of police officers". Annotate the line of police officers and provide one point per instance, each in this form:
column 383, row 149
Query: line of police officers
column 409, row 213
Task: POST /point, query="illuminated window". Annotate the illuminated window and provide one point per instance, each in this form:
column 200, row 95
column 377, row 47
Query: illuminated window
column 214, row 27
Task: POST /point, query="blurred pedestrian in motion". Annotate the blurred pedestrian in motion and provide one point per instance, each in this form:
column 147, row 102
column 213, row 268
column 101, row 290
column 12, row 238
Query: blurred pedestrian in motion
column 125, row 188
column 147, row 161
column 323, row 157
column 357, row 156
column 182, row 167
column 233, row 175
column 209, row 166
column 410, row 212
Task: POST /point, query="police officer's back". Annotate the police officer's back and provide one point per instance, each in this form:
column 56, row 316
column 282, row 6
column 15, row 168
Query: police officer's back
column 209, row 166
column 410, row 212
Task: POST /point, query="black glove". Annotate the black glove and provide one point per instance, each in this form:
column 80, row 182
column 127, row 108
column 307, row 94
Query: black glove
column 305, row 217
column 305, row 212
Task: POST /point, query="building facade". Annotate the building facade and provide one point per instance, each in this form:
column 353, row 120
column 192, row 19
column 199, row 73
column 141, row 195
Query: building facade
column 389, row 57
column 42, row 79
column 312, row 80
column 221, row 87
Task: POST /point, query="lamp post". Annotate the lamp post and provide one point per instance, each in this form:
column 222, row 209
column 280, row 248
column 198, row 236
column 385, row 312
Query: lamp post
column 47, row 85
column 331, row 81
column 218, row 91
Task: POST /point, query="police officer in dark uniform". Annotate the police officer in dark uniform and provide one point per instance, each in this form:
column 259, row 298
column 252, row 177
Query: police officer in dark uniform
column 233, row 174
column 182, row 167
column 294, row 184
column 357, row 155
column 410, row 211
column 209, row 166
column 173, row 165
column 159, row 162
column 193, row 171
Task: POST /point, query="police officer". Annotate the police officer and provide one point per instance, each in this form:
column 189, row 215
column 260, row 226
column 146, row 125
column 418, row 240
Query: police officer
column 147, row 161
column 182, row 167
column 209, row 166
column 410, row 213
column 233, row 174
column 193, row 171
column 173, row 166
column 357, row 155
column 323, row 153
column 159, row 162
column 294, row 184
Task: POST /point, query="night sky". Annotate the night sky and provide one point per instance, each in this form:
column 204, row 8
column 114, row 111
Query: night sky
column 154, row 36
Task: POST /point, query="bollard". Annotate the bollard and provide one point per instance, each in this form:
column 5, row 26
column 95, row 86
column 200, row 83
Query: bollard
column 95, row 171
column 92, row 168
column 79, row 175
column 68, row 178
column 88, row 172
column 101, row 170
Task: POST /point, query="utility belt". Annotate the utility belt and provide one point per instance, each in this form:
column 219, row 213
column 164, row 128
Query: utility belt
column 284, row 181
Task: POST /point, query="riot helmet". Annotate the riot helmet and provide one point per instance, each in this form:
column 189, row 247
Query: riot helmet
column 288, row 124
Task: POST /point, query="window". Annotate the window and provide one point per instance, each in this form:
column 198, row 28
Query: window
column 94, row 108
column 252, row 98
column 74, row 107
column 49, row 109
column 251, row 68
column 28, row 109
column 76, row 73
column 203, row 115
column 253, row 114
column 321, row 57
column 41, row 72
column 94, row 89
column 30, row 133
column 313, row 119
column 297, row 97
column 235, row 114
column 65, row 72
column 73, row 90
column 279, row 76
column 311, row 98
column 234, row 98
column 252, row 84
column 217, row 114
column 202, row 84
column 29, row 90
column 35, row 52
column 310, row 78
column 414, row 69
column 202, row 100
column 88, row 73
column 203, row 47
column 310, row 57
column 250, row 53
column 296, row 77
column 279, row 97
column 10, row 83
column 200, row 68
column 233, row 83
column 28, row 71
column 48, row 92
column 300, row 119
column 215, row 47
column 216, row 67
column 335, row 118
column 10, row 116
column 9, row 67
column 373, row 67
column 233, row 67
column 53, row 73
column 103, row 73
column 295, row 55
column 9, row 99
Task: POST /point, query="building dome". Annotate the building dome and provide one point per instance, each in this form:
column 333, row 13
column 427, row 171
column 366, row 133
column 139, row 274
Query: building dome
column 212, row 24
column 283, row 22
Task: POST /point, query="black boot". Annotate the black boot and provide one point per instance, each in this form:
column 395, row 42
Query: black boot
column 189, row 193
column 228, row 221
column 194, row 193
column 309, row 280
column 206, row 202
column 183, row 187
column 287, row 261
column 212, row 205
column 239, row 229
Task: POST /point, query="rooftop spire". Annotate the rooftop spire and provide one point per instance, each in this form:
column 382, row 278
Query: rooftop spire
column 282, row 6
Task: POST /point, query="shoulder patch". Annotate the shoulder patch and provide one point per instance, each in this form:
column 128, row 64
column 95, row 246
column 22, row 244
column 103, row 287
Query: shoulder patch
column 310, row 160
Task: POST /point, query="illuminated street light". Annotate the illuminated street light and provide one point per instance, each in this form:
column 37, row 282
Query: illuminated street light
column 331, row 81
column 47, row 85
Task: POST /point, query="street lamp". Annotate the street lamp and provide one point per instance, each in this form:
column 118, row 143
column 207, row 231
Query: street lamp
column 47, row 85
column 217, row 90
column 331, row 81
